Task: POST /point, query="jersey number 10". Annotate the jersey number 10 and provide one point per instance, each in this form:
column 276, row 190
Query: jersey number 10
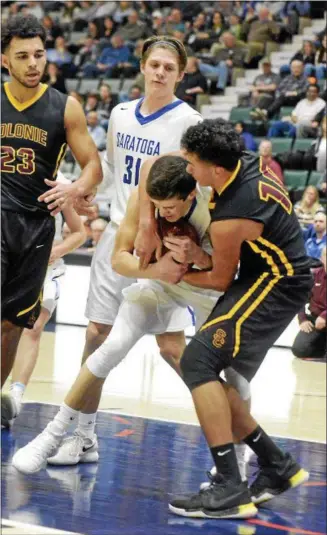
column 274, row 189
column 132, row 170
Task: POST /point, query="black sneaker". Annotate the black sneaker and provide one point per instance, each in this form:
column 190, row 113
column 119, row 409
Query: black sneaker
column 8, row 410
column 275, row 478
column 222, row 499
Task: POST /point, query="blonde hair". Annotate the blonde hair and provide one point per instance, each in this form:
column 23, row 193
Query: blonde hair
column 169, row 43
column 315, row 205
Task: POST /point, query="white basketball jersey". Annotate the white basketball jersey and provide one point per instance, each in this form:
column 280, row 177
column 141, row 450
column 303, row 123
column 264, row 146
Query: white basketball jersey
column 133, row 138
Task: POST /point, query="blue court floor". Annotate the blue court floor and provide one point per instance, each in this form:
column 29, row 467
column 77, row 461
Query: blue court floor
column 142, row 463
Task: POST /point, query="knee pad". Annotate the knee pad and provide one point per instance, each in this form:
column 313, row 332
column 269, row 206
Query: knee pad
column 239, row 382
column 199, row 365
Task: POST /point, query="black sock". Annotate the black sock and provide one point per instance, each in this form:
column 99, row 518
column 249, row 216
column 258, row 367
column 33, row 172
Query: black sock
column 263, row 446
column 225, row 460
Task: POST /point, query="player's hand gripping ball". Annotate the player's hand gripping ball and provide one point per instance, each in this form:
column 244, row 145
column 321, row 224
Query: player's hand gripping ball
column 180, row 229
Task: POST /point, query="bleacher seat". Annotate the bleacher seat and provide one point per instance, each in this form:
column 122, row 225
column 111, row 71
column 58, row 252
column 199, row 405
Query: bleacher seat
column 88, row 86
column 258, row 140
column 72, row 84
column 295, row 179
column 286, row 111
column 315, row 178
column 281, row 144
column 302, row 144
column 239, row 114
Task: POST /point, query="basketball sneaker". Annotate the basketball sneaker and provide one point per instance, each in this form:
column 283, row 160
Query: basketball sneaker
column 222, row 499
column 275, row 478
column 9, row 410
column 34, row 455
column 76, row 449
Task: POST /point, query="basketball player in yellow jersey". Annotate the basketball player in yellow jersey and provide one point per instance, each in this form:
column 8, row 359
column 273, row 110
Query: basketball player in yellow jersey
column 37, row 124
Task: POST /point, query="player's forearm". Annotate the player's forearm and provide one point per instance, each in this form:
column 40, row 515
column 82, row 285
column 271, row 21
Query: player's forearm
column 72, row 242
column 91, row 176
column 146, row 214
column 127, row 265
column 204, row 279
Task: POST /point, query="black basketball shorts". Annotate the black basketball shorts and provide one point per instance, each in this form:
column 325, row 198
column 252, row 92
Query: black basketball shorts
column 26, row 242
column 244, row 325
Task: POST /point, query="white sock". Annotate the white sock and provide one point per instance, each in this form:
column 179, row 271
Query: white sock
column 86, row 424
column 240, row 450
column 61, row 422
column 17, row 390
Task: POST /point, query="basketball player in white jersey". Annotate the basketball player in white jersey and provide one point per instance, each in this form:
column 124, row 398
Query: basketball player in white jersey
column 138, row 130
column 147, row 308
column 28, row 348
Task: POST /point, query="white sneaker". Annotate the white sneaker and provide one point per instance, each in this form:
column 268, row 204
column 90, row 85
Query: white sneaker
column 34, row 455
column 76, row 449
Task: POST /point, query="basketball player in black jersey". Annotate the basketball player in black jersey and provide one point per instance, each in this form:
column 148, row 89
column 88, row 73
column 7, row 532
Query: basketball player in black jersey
column 253, row 226
column 37, row 124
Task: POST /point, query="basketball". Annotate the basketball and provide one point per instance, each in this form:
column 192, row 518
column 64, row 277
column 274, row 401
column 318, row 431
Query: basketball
column 178, row 228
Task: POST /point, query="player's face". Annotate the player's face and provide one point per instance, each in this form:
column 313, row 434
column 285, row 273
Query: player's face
column 161, row 73
column 203, row 172
column 25, row 59
column 173, row 209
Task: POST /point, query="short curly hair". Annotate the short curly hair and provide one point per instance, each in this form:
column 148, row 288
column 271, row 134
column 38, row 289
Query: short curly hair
column 214, row 141
column 23, row 27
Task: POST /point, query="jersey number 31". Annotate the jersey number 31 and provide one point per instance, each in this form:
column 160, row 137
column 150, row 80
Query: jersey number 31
column 133, row 166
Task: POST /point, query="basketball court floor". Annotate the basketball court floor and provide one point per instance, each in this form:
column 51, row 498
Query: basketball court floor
column 151, row 448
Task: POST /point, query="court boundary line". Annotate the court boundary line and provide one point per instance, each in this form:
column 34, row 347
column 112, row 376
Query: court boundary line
column 43, row 530
column 108, row 411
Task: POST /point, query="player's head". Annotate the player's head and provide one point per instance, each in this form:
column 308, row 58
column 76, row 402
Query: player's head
column 22, row 42
column 163, row 63
column 319, row 222
column 170, row 187
column 212, row 149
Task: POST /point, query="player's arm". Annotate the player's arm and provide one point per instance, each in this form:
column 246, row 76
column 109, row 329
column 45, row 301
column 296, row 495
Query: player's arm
column 147, row 240
column 227, row 237
column 87, row 156
column 125, row 263
column 74, row 240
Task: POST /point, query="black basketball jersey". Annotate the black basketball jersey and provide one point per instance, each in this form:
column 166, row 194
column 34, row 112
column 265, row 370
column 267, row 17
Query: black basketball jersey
column 33, row 143
column 252, row 193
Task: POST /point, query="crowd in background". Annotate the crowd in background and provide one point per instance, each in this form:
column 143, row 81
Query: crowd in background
column 102, row 41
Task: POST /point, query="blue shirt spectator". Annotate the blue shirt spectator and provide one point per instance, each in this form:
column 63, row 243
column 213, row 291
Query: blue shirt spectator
column 118, row 52
column 96, row 131
column 248, row 139
column 315, row 244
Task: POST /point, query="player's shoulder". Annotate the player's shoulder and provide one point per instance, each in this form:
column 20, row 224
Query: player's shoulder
column 123, row 107
column 185, row 111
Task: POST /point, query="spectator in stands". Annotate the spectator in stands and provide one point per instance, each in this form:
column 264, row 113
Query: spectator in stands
column 193, row 83
column 158, row 22
column 97, row 228
column 264, row 86
column 104, row 9
column 230, row 54
column 55, row 78
column 259, row 33
column 36, row 9
column 129, row 68
column 265, row 151
column 247, row 138
column 317, row 241
column 122, row 12
column 94, row 31
column 86, row 54
column 92, row 102
column 133, row 94
column 96, row 131
column 134, row 29
column 108, row 31
column 312, row 130
column 306, row 54
column 320, row 59
column 106, row 104
column 235, row 26
column 70, row 10
column 290, row 90
column 118, row 52
column 201, row 36
column 61, row 57
column 308, row 206
column 83, row 16
column 52, row 31
column 303, row 114
column 175, row 22
column 311, row 341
